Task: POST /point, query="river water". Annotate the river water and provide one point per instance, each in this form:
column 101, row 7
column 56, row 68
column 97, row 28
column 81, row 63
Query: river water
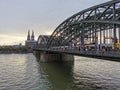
column 25, row 72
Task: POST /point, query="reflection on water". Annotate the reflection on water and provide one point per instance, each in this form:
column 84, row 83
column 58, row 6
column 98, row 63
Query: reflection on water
column 96, row 74
column 59, row 75
column 20, row 72
column 24, row 72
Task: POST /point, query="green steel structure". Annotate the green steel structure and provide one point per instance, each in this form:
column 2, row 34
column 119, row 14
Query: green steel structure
column 42, row 41
column 97, row 24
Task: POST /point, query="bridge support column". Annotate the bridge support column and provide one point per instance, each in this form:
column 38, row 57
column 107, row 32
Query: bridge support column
column 50, row 57
column 67, row 57
column 44, row 57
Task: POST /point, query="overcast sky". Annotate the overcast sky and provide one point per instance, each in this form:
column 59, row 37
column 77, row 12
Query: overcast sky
column 42, row 16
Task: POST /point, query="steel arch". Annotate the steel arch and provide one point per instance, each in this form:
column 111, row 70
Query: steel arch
column 42, row 41
column 87, row 23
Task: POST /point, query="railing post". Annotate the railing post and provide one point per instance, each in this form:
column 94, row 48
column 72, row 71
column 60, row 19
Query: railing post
column 95, row 32
column 100, row 35
column 119, row 34
column 114, row 26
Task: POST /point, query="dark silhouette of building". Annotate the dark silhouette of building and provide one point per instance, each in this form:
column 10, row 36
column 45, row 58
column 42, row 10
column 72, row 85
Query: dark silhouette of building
column 30, row 42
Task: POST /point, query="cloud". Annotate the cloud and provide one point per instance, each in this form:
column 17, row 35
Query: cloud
column 43, row 16
column 10, row 40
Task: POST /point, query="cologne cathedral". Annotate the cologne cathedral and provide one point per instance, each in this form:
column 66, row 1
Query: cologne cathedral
column 30, row 42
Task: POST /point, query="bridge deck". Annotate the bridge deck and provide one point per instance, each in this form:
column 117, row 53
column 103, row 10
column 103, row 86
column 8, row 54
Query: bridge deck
column 108, row 54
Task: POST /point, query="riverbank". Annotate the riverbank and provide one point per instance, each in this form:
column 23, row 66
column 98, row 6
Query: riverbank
column 12, row 50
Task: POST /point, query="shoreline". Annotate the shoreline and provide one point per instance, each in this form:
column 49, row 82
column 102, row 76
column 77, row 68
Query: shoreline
column 13, row 52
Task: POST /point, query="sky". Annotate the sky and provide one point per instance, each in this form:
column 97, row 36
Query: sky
column 42, row 16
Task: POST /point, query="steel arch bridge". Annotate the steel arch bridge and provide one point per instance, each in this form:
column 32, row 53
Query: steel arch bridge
column 42, row 41
column 97, row 24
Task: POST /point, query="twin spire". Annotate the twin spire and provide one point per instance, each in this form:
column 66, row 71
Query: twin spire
column 32, row 36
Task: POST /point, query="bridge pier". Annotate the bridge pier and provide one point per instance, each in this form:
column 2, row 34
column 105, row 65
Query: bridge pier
column 50, row 57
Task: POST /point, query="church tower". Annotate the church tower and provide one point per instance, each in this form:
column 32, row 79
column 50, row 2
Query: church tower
column 32, row 36
column 30, row 42
column 28, row 37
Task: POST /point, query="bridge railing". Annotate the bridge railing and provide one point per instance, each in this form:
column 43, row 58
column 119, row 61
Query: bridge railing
column 75, row 51
column 89, row 52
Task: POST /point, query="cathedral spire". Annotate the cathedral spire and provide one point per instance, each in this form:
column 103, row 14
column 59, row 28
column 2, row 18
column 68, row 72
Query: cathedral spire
column 32, row 36
column 28, row 37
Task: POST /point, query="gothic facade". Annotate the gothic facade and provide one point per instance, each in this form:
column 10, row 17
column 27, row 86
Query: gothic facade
column 30, row 42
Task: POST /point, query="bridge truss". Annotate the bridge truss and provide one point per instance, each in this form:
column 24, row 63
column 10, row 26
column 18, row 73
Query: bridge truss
column 92, row 25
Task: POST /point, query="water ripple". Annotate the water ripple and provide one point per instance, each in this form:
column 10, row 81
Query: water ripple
column 24, row 72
